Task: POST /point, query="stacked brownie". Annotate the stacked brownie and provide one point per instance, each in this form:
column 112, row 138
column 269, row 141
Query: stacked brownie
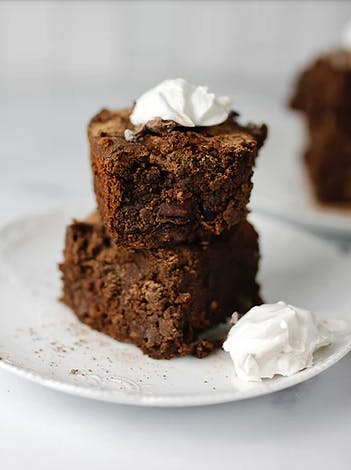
column 323, row 94
column 169, row 253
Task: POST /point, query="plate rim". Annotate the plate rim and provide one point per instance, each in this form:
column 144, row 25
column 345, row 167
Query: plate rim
column 186, row 400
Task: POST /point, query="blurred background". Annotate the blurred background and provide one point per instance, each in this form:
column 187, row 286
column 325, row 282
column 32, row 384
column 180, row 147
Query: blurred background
column 60, row 62
column 75, row 45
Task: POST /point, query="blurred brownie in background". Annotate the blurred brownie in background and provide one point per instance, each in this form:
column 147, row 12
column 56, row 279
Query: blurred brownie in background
column 323, row 94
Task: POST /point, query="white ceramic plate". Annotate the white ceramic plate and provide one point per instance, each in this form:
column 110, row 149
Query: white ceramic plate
column 41, row 339
column 282, row 187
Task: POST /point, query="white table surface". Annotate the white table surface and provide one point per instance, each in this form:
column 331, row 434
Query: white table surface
column 44, row 163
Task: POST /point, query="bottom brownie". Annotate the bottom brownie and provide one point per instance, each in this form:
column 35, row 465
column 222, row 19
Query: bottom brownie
column 159, row 299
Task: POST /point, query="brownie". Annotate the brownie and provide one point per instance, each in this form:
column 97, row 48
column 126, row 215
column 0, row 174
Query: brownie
column 325, row 85
column 164, row 184
column 323, row 95
column 159, row 299
column 328, row 160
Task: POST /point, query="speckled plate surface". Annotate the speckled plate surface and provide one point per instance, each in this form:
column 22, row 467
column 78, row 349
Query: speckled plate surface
column 41, row 339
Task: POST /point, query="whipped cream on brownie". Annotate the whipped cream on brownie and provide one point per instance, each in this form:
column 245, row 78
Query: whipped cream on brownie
column 180, row 101
column 275, row 339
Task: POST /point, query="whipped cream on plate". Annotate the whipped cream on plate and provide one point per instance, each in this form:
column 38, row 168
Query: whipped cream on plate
column 180, row 101
column 275, row 339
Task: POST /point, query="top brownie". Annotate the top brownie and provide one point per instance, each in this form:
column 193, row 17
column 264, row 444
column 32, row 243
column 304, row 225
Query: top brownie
column 325, row 86
column 163, row 184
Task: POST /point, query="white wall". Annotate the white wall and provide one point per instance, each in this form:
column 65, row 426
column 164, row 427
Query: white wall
column 141, row 42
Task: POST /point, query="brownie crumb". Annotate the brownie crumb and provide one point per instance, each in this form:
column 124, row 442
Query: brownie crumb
column 130, row 136
column 155, row 126
column 74, row 371
column 204, row 347
column 234, row 318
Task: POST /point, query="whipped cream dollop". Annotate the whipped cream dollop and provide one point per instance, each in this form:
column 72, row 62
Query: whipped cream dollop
column 180, row 101
column 273, row 339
